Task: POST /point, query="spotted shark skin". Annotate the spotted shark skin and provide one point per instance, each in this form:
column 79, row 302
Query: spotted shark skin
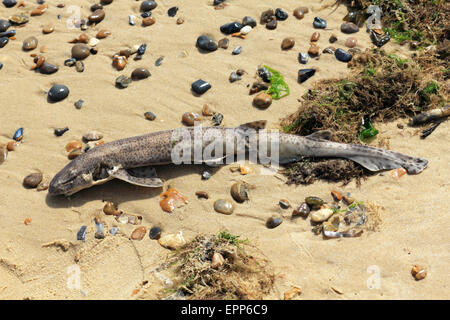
column 117, row 158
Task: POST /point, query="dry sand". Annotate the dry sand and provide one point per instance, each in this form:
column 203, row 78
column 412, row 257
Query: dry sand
column 415, row 223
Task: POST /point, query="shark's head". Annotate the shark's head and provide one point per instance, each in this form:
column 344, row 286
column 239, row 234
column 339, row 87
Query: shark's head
column 81, row 173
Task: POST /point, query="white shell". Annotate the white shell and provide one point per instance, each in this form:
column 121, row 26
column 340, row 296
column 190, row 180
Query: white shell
column 93, row 42
column 246, row 29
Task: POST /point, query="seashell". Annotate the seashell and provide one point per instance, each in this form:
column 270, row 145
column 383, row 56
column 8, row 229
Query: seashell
column 239, row 192
column 72, row 145
column 224, row 206
column 321, row 215
column 274, row 222
column 292, row 293
column 208, row 110
column 155, row 233
column 172, row 241
column 302, row 210
column 171, row 199
column 93, row 42
column 138, row 233
column 32, row 180
column 217, row 260
column 92, row 136
column 18, row 19
column 284, row 204
column 244, row 169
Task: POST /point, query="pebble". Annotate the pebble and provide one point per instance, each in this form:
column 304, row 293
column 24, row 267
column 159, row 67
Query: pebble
column 138, row 233
column 96, row 6
column 18, row 135
column 264, row 74
column 231, row 28
column 239, row 192
column 119, row 62
column 249, row 21
column 208, row 110
column 48, row 29
column 280, row 14
column 30, row 43
column 348, row 200
column 303, row 58
column 200, row 86
column 305, row 74
column 58, row 92
column 141, row 49
column 379, row 40
column 74, row 153
column 189, row 118
column 18, row 19
column 11, row 146
column 32, row 180
column 202, row 195
column 234, row 77
column 418, row 272
column 342, row 55
column 172, row 11
column 224, row 206
column 284, row 204
column 150, row 116
column 155, row 233
column 217, row 119
column 337, row 196
column 315, row 36
column 246, row 30
column 267, row 16
column 148, row 21
column 140, row 73
column 313, row 50
column 333, row 38
column 123, row 81
column 321, row 215
column 148, row 5
column 80, row 51
column 223, row 43
column 329, row 50
column 3, row 41
column 237, row 50
column 262, row 100
column 159, row 61
column 79, row 66
column 206, row 175
column 171, row 199
column 300, row 12
column 4, row 25
column 102, row 34
column 73, row 145
column 131, row 19
column 92, row 136
column 302, row 210
column 70, row 62
column 27, row 221
column 180, row 20
column 217, row 260
column 48, row 68
column 319, row 23
column 287, row 43
column 39, row 10
column 9, row 3
column 93, row 42
column 110, row 209
column 79, row 104
column 349, row 28
column 314, row 202
column 97, row 16
column 60, row 131
column 172, row 241
column 272, row 25
column 274, row 222
column 351, row 42
column 206, row 43
column 8, row 34
column 81, row 234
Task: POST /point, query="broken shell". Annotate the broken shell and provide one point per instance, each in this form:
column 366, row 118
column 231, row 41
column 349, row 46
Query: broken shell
column 172, row 241
column 43, row 185
column 314, row 202
column 111, row 209
column 418, row 272
column 92, row 136
column 224, row 206
column 398, row 173
column 32, row 180
column 321, row 215
column 155, row 233
column 292, row 293
column 74, row 153
column 239, row 192
column 274, row 222
column 245, row 169
column 217, row 260
column 171, row 199
column 336, row 195
column 303, row 210
column 138, row 233
column 208, row 110
column 72, row 145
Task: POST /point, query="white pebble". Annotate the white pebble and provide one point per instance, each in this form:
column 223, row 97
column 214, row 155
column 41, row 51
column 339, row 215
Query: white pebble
column 93, row 42
column 321, row 215
column 246, row 29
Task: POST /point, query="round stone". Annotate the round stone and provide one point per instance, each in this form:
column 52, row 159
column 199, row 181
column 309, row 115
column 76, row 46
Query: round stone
column 58, row 92
column 249, row 21
column 80, row 51
column 262, row 100
column 351, row 42
column 230, row 28
column 313, row 50
column 148, row 21
column 342, row 55
column 48, row 29
column 206, row 43
column 140, row 73
column 48, row 68
column 3, row 41
column 9, row 3
column 4, row 25
column 30, row 43
column 97, row 16
column 224, row 206
column 272, row 24
column 189, row 118
column 349, row 28
column 300, row 12
column 315, row 36
column 280, row 14
column 319, row 23
column 32, row 180
column 148, row 5
column 287, row 43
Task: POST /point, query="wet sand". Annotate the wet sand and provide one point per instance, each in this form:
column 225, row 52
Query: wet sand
column 414, row 227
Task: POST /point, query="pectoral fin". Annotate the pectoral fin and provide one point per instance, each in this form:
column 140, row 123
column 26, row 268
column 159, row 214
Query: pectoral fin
column 320, row 135
column 143, row 176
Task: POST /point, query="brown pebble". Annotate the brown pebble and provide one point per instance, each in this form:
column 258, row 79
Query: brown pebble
column 97, row 16
column 348, row 200
column 61, row 5
column 39, row 10
column 217, row 260
column 148, row 21
column 80, row 51
column 300, row 12
column 30, row 43
column 11, row 145
column 74, row 153
column 189, row 118
column 180, row 21
column 138, row 233
column 140, row 73
column 208, row 110
column 202, row 194
column 48, row 29
column 119, row 62
column 315, row 36
column 262, row 100
column 351, row 42
column 72, row 145
column 32, row 180
column 333, row 38
column 223, row 43
column 418, row 272
column 313, row 50
column 125, row 52
column 111, row 209
column 336, row 195
column 43, row 185
column 27, row 221
column 102, row 34
column 287, row 43
column 272, row 24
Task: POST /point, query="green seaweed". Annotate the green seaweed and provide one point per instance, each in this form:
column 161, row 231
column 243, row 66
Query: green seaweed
column 278, row 87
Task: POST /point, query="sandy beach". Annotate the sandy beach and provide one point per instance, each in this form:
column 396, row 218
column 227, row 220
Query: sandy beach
column 37, row 260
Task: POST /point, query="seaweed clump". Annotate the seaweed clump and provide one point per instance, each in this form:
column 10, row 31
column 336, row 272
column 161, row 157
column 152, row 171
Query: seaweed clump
column 242, row 275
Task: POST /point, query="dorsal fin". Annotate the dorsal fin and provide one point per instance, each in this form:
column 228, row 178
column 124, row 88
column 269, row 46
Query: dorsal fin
column 257, row 125
column 320, row 135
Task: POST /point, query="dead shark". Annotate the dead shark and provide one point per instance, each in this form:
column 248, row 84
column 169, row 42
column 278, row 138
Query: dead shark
column 132, row 159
